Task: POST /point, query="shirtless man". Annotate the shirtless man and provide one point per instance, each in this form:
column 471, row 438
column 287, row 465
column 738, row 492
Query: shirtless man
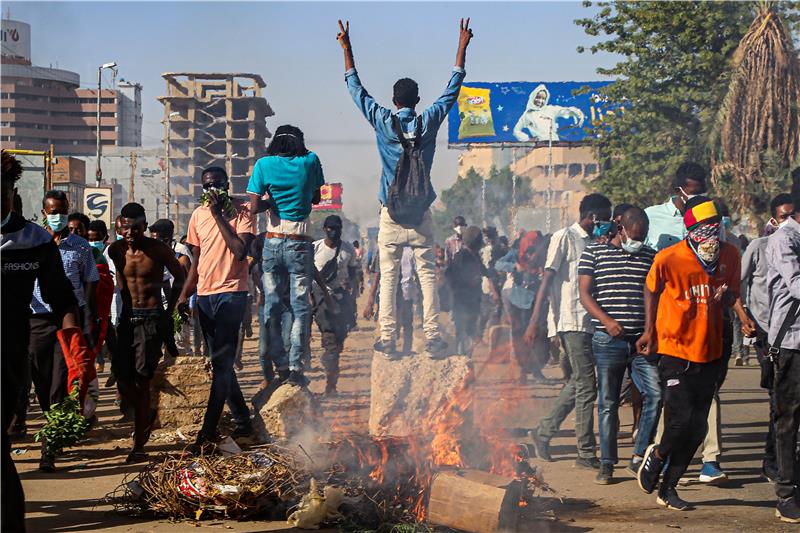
column 144, row 324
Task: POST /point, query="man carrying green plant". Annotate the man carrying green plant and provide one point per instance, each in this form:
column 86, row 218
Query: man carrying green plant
column 144, row 325
column 29, row 254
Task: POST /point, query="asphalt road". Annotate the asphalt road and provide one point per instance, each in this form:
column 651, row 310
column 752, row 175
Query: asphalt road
column 70, row 499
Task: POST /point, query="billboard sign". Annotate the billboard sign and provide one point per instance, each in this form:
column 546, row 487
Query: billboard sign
column 524, row 112
column 97, row 204
column 331, row 198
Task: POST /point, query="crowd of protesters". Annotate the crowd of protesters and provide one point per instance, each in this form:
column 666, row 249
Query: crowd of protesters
column 649, row 301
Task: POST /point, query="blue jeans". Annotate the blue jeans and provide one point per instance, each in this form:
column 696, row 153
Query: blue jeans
column 267, row 364
column 287, row 264
column 612, row 356
column 220, row 319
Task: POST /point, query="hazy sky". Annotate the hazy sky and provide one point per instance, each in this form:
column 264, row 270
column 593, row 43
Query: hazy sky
column 293, row 46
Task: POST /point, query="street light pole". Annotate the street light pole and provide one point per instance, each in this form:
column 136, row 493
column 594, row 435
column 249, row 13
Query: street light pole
column 99, row 171
column 167, row 198
column 98, row 174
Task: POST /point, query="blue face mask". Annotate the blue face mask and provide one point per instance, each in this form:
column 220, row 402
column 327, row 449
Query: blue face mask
column 726, row 221
column 601, row 228
column 100, row 245
column 119, row 237
column 57, row 222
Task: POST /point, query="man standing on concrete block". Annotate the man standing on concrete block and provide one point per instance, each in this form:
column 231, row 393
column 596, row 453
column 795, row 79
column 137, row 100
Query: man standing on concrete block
column 406, row 143
column 220, row 232
column 574, row 328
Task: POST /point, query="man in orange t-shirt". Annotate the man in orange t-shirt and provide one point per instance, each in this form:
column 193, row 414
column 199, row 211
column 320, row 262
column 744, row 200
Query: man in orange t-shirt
column 686, row 290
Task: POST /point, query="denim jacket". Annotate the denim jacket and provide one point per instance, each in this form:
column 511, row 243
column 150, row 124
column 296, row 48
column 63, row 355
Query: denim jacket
column 380, row 118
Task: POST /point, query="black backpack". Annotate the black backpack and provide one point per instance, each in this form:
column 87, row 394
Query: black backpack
column 411, row 194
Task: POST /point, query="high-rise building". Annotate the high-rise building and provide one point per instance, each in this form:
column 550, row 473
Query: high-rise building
column 216, row 119
column 40, row 106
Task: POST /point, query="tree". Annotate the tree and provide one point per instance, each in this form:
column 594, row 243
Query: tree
column 676, row 67
column 464, row 198
column 756, row 136
column 670, row 80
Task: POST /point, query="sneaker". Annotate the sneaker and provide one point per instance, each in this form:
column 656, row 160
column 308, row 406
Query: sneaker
column 388, row 349
column 738, row 361
column 436, row 349
column 587, row 463
column 296, row 377
column 650, row 471
column 787, row 510
column 668, row 497
column 712, row 473
column 47, row 463
column 541, row 447
column 605, row 474
column 283, row 375
column 634, row 465
column 769, row 471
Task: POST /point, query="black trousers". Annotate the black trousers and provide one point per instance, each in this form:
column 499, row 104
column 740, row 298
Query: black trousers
column 786, row 398
column 15, row 355
column 687, row 391
column 48, row 367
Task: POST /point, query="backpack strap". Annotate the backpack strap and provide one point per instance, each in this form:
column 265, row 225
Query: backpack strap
column 398, row 130
column 418, row 130
column 791, row 317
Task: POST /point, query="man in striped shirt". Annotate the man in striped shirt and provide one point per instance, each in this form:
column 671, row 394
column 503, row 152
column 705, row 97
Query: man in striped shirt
column 611, row 284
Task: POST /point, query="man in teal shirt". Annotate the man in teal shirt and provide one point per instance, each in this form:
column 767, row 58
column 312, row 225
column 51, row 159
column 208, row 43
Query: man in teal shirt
column 666, row 220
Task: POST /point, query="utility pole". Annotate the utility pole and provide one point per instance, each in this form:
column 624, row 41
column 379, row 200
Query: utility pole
column 98, row 173
column 167, row 116
column 133, row 175
column 113, row 66
column 177, row 218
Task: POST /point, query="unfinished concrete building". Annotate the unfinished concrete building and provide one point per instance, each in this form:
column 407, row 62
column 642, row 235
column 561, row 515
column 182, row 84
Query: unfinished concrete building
column 216, row 119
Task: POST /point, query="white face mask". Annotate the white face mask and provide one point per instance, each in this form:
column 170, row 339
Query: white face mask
column 631, row 246
column 686, row 195
column 785, row 221
column 458, row 229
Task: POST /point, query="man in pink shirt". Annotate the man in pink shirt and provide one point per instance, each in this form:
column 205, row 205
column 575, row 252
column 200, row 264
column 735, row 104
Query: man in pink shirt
column 220, row 232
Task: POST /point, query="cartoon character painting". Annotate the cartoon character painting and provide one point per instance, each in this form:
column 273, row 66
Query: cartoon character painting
column 540, row 118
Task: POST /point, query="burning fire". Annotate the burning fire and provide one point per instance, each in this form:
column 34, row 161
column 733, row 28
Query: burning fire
column 403, row 469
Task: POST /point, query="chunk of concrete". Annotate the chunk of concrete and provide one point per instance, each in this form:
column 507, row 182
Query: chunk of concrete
column 409, row 394
column 290, row 410
column 181, row 387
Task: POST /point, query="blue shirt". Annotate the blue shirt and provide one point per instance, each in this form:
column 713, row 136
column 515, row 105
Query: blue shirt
column 79, row 266
column 666, row 226
column 290, row 181
column 380, row 118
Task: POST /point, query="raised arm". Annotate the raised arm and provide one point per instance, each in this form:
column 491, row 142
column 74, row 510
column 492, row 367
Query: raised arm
column 464, row 37
column 437, row 112
column 373, row 111
column 344, row 39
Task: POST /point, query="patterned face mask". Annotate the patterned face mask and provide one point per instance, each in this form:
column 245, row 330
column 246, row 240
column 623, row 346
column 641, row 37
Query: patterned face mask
column 704, row 241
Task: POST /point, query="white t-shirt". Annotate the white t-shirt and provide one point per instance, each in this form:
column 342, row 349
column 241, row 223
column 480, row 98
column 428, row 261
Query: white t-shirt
column 347, row 259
